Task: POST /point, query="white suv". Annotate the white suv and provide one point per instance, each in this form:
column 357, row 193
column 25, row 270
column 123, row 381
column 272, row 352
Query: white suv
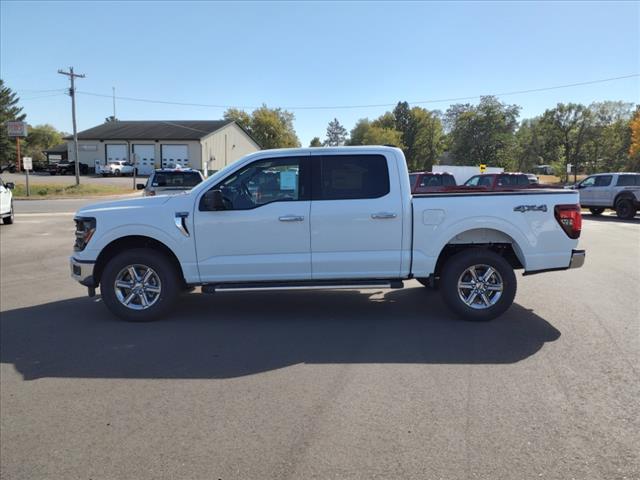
column 117, row 168
column 6, row 202
column 617, row 191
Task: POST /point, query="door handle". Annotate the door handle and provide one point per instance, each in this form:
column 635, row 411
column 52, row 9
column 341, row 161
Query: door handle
column 291, row 218
column 383, row 215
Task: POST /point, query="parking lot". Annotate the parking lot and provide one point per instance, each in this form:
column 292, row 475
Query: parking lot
column 341, row 384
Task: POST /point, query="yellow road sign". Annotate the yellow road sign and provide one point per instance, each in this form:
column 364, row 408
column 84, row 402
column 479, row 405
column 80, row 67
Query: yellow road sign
column 483, row 168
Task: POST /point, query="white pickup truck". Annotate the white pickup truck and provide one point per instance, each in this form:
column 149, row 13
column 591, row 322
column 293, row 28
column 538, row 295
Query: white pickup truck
column 322, row 218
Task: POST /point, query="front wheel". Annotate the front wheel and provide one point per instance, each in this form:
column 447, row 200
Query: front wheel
column 139, row 285
column 625, row 209
column 596, row 211
column 478, row 284
column 9, row 220
column 116, row 173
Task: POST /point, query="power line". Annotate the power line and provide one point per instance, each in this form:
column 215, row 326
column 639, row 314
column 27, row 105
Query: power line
column 376, row 105
column 23, row 99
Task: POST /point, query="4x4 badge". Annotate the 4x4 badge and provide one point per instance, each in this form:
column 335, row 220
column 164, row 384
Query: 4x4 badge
column 530, row 208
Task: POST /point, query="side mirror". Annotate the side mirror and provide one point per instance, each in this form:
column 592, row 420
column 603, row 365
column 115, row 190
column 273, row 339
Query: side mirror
column 139, row 186
column 212, row 200
column 10, row 185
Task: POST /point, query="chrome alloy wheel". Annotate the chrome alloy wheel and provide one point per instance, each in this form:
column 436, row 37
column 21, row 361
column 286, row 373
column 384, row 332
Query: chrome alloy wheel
column 137, row 287
column 480, row 287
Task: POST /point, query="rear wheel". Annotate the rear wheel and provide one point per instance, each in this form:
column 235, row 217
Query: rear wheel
column 596, row 211
column 139, row 285
column 478, row 284
column 625, row 209
column 116, row 172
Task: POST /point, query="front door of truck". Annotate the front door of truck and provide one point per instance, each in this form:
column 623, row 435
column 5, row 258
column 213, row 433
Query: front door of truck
column 263, row 232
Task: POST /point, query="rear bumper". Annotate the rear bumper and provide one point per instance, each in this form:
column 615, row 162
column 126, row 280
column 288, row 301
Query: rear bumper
column 577, row 261
column 82, row 272
column 577, row 258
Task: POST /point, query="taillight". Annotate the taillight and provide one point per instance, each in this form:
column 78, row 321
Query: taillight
column 570, row 219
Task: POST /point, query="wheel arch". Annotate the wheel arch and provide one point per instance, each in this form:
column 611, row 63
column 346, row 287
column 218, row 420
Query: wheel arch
column 624, row 195
column 482, row 238
column 133, row 241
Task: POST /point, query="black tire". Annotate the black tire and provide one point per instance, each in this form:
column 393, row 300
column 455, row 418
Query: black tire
column 116, row 172
column 457, row 265
column 171, row 285
column 596, row 211
column 426, row 282
column 625, row 209
column 9, row 220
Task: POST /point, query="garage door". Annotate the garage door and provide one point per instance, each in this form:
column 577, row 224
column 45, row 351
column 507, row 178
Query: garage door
column 116, row 152
column 174, row 155
column 145, row 158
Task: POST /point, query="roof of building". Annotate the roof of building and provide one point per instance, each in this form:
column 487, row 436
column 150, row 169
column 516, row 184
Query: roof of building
column 61, row 148
column 153, row 130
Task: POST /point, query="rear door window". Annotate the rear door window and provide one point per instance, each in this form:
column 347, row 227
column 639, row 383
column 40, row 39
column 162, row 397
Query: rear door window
column 176, row 179
column 449, row 181
column 628, row 180
column 349, row 177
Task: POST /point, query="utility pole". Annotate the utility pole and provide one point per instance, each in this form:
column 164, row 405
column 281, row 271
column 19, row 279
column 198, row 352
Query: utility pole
column 72, row 93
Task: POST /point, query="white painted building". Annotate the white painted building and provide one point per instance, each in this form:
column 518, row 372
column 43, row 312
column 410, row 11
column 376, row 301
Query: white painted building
column 199, row 144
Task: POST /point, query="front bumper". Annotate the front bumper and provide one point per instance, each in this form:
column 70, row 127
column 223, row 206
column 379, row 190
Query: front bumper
column 82, row 272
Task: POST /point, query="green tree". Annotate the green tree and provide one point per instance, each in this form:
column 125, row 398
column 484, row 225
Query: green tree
column 568, row 126
column 315, row 142
column 9, row 111
column 427, row 139
column 634, row 147
column 483, row 133
column 271, row 127
column 534, row 146
column 358, row 132
column 40, row 138
column 609, row 137
column 382, row 136
column 336, row 134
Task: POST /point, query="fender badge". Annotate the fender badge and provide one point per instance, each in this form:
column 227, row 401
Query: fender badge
column 530, row 208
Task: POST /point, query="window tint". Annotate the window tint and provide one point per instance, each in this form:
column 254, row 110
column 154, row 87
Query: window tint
column 472, row 182
column 412, row 179
column 449, row 180
column 344, row 177
column 523, row 180
column 628, row 180
column 262, row 182
column 431, row 181
column 485, row 181
column 176, row 179
column 588, row 182
column 603, row 181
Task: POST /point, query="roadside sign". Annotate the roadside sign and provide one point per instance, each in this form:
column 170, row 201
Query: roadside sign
column 17, row 129
column 483, row 168
column 569, row 167
column 27, row 163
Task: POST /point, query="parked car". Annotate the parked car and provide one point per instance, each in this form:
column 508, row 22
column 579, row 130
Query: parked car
column 494, row 182
column 169, row 181
column 6, row 202
column 616, row 191
column 533, row 179
column 66, row 168
column 9, row 167
column 424, row 182
column 117, row 168
column 339, row 218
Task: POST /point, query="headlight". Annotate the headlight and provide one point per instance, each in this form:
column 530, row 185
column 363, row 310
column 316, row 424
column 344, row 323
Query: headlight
column 85, row 227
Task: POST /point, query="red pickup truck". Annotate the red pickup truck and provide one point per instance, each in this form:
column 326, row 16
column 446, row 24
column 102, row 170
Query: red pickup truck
column 428, row 182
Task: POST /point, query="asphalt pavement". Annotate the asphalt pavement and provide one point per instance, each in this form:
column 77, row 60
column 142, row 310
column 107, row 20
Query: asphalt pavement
column 342, row 384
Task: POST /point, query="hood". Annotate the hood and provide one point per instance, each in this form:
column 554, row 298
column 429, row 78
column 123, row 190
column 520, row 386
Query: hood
column 120, row 205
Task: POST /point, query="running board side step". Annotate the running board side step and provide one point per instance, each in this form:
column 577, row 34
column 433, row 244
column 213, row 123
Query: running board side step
column 301, row 285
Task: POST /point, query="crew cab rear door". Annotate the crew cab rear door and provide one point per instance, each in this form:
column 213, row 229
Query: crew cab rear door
column 356, row 216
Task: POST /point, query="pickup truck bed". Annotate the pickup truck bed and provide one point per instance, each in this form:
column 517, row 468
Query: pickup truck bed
column 322, row 218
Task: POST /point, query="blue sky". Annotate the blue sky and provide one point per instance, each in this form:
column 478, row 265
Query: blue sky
column 292, row 54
